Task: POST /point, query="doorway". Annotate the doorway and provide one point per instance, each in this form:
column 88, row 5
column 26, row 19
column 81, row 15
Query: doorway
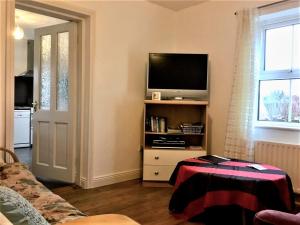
column 85, row 19
column 26, row 24
column 45, row 94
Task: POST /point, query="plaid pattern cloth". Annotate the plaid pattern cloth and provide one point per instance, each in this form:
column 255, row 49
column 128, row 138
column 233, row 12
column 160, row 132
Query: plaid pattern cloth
column 200, row 185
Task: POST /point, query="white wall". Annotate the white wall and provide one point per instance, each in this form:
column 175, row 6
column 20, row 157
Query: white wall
column 287, row 136
column 125, row 33
column 20, row 64
column 28, row 33
column 20, row 57
column 211, row 27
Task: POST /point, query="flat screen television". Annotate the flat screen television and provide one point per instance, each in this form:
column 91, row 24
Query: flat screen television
column 23, row 91
column 178, row 75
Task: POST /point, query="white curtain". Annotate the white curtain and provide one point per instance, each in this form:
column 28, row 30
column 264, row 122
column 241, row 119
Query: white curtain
column 239, row 136
column 6, row 73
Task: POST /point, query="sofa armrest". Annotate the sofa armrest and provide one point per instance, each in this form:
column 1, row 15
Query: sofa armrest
column 4, row 220
column 267, row 217
column 105, row 219
column 13, row 155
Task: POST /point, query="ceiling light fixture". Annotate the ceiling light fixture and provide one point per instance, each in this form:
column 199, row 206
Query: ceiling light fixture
column 18, row 33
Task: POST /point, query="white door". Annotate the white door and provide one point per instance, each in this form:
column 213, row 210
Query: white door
column 54, row 119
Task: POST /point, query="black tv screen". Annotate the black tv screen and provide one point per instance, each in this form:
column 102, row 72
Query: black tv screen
column 177, row 71
column 23, row 91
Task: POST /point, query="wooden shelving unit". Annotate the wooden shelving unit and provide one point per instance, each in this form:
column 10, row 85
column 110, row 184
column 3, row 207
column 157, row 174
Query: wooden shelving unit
column 175, row 102
column 159, row 163
column 165, row 133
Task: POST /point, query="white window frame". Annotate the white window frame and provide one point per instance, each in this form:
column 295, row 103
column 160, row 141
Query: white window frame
column 277, row 74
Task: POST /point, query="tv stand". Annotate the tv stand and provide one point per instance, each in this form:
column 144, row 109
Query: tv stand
column 160, row 159
column 179, row 98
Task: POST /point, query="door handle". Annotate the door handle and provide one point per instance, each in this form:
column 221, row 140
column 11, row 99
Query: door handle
column 35, row 106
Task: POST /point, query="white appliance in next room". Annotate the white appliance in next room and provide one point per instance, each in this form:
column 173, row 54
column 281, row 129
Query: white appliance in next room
column 22, row 128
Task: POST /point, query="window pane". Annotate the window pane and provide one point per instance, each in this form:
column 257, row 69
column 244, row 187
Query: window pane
column 296, row 56
column 295, row 92
column 279, row 52
column 45, row 72
column 63, row 72
column 274, row 100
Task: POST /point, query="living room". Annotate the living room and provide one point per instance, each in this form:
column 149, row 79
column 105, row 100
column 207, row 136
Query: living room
column 124, row 33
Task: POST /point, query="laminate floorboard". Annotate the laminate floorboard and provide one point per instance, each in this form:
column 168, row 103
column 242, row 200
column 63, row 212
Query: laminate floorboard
column 25, row 156
column 146, row 205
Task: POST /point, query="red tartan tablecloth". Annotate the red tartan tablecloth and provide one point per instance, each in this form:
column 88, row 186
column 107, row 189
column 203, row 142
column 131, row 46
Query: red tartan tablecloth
column 200, row 185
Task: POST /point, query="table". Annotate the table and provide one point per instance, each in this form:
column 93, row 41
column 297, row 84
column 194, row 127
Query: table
column 200, row 185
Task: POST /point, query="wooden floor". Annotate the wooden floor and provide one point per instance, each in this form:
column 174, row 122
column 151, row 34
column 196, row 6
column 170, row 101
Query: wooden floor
column 146, row 205
column 25, row 156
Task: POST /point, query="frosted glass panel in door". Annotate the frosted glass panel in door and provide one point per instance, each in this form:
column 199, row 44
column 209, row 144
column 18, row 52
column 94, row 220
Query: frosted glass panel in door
column 63, row 72
column 45, row 76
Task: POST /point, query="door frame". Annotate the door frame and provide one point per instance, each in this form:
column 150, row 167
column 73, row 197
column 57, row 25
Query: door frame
column 85, row 19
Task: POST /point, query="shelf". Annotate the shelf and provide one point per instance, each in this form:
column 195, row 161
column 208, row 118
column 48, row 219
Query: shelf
column 160, row 133
column 176, row 149
column 159, row 162
column 176, row 102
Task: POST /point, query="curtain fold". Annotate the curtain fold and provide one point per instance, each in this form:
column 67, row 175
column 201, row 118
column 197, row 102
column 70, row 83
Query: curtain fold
column 7, row 8
column 240, row 125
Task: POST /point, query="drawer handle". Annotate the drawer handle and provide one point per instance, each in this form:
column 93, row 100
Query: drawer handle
column 156, row 173
column 156, row 157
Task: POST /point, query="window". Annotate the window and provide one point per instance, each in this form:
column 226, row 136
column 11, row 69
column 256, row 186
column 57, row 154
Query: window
column 279, row 83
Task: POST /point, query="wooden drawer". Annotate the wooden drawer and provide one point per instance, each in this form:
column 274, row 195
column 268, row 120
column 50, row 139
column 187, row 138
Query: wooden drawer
column 157, row 173
column 169, row 157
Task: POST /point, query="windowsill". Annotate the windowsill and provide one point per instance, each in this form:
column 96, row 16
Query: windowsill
column 278, row 125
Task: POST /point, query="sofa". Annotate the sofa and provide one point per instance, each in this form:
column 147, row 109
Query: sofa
column 273, row 217
column 54, row 209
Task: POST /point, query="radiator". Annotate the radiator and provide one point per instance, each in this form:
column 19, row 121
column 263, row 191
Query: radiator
column 284, row 156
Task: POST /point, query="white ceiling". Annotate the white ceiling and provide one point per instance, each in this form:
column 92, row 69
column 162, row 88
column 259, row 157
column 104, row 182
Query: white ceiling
column 177, row 5
column 29, row 20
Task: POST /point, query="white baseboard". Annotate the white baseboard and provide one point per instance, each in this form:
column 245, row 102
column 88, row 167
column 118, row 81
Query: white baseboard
column 83, row 183
column 115, row 178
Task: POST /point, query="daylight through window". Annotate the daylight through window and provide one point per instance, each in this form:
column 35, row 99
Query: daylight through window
column 279, row 85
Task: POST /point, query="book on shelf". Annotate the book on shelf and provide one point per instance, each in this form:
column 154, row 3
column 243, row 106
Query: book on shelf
column 156, row 124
